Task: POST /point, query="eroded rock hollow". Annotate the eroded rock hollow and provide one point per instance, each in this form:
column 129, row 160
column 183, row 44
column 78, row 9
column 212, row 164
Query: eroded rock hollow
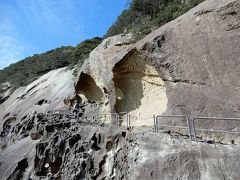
column 87, row 87
column 139, row 89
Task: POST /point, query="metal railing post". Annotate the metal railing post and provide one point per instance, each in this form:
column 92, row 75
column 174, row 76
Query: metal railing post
column 194, row 129
column 154, row 122
column 127, row 120
column 189, row 128
column 123, row 113
column 118, row 119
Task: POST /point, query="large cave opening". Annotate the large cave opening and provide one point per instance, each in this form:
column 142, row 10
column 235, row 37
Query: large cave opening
column 139, row 90
column 88, row 87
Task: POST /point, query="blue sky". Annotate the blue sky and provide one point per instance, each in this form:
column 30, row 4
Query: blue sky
column 30, row 27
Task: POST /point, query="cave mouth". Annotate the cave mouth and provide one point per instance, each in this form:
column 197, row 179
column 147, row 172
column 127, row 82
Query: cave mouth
column 139, row 90
column 87, row 86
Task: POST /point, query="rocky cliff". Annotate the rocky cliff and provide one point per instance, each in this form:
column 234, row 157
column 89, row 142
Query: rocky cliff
column 188, row 66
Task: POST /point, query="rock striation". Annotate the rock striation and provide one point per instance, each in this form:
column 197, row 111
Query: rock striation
column 46, row 93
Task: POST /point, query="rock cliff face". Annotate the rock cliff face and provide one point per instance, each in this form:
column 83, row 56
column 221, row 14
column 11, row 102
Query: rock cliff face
column 189, row 66
column 46, row 93
column 124, row 81
column 197, row 56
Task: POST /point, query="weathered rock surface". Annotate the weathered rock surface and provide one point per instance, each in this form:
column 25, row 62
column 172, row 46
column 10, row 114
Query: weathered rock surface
column 46, row 93
column 67, row 148
column 76, row 148
column 197, row 55
column 160, row 156
column 189, row 66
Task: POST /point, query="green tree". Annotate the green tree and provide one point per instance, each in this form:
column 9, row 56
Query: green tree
column 143, row 16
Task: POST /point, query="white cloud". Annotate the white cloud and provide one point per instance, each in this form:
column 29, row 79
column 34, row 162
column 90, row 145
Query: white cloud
column 35, row 24
column 11, row 49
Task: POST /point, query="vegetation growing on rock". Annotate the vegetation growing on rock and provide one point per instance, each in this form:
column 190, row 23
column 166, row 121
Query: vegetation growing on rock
column 143, row 16
column 29, row 69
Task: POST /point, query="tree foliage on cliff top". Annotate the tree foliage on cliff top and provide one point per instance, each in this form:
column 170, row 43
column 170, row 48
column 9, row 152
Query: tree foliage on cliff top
column 143, row 16
column 29, row 69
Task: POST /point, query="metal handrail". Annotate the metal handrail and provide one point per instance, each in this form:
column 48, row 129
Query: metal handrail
column 156, row 123
column 192, row 120
column 109, row 114
column 128, row 118
column 213, row 130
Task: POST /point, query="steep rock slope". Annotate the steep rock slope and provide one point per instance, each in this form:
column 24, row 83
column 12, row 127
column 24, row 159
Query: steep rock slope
column 197, row 55
column 46, row 93
column 188, row 66
column 118, row 76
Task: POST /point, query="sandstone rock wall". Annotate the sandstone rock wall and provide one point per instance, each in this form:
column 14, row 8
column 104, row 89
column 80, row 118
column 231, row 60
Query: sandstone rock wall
column 189, row 66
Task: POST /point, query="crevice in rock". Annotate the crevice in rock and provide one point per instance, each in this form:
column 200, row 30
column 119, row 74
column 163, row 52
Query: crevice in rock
column 123, row 44
column 41, row 102
column 185, row 81
column 3, row 99
column 94, row 145
column 73, row 140
column 88, row 87
column 19, row 170
column 109, row 146
column 7, row 126
column 124, row 134
column 49, row 128
column 56, row 165
column 99, row 138
column 100, row 167
column 6, row 115
column 82, row 174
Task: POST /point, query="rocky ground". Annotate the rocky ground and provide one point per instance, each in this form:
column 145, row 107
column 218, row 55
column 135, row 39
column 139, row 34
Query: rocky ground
column 58, row 145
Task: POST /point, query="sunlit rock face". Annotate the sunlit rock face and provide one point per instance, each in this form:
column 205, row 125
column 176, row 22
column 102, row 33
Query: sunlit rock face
column 97, row 70
column 139, row 90
column 188, row 66
column 118, row 76
column 46, row 93
column 197, row 56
